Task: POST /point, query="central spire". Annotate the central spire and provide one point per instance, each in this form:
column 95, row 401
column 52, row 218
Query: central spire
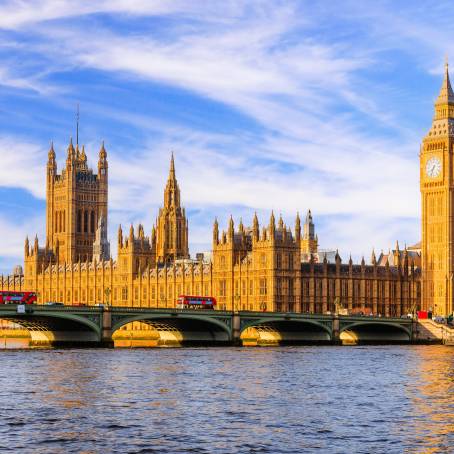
column 172, row 191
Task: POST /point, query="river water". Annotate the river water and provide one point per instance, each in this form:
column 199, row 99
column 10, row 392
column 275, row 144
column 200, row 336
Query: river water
column 370, row 399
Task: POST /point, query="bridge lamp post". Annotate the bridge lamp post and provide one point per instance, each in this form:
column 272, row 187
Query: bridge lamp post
column 107, row 293
column 235, row 303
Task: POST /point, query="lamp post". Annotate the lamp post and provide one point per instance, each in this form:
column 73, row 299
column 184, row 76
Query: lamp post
column 107, row 293
column 235, row 304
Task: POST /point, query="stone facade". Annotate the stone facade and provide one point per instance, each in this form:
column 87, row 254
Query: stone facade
column 268, row 268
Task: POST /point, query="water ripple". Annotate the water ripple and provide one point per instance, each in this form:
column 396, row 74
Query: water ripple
column 285, row 400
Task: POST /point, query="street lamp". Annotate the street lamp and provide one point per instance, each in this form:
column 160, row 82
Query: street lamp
column 107, row 293
column 235, row 304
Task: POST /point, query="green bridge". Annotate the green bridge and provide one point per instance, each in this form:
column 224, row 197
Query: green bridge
column 95, row 326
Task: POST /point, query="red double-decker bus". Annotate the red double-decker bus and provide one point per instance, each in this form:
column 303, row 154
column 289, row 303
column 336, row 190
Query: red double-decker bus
column 196, row 302
column 10, row 297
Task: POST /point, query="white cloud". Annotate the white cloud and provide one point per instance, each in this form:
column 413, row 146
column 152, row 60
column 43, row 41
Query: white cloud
column 22, row 165
column 317, row 147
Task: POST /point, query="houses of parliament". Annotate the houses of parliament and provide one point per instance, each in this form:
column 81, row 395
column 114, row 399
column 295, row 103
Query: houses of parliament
column 268, row 267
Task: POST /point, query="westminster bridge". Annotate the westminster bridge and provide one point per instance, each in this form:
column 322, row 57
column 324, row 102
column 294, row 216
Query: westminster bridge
column 97, row 326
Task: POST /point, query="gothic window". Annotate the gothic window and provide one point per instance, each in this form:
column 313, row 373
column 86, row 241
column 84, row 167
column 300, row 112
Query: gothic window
column 79, row 221
column 251, row 287
column 85, row 221
column 278, row 286
column 153, row 292
column 222, row 288
column 244, row 288
column 136, row 293
column 99, row 295
column 124, row 293
column 263, row 259
column 92, row 222
column 206, row 289
column 144, row 293
column 278, row 260
column 290, row 287
column 262, row 284
column 290, row 261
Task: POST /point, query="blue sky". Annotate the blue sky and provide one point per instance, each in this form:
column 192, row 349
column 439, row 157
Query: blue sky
column 266, row 105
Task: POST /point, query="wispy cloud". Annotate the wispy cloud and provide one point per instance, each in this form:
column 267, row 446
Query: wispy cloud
column 314, row 107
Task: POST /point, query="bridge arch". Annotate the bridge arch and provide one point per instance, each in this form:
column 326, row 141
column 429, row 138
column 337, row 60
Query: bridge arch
column 367, row 331
column 176, row 329
column 279, row 331
column 54, row 329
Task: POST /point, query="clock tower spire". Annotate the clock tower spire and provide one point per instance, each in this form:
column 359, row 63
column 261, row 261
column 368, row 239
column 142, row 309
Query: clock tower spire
column 437, row 198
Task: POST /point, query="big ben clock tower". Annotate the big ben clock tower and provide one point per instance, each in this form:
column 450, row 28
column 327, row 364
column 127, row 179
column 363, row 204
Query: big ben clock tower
column 437, row 198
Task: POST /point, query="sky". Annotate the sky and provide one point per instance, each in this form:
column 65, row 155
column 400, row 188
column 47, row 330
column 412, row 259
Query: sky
column 266, row 104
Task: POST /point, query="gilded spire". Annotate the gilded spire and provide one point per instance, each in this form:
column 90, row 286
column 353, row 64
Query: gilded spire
column 102, row 152
column 281, row 222
column 172, row 167
column 446, row 94
column 51, row 154
column 83, row 156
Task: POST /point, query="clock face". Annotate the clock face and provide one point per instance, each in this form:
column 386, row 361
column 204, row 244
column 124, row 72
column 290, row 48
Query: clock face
column 433, row 167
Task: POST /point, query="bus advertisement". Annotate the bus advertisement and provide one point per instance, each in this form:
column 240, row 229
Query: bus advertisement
column 10, row 297
column 196, row 302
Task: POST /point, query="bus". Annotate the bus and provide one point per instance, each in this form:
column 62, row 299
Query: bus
column 9, row 297
column 196, row 302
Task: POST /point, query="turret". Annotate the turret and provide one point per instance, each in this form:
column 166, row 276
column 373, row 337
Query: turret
column 373, row 259
column 215, row 232
column 26, row 247
column 70, row 155
column 51, row 162
column 102, row 163
column 272, row 226
column 153, row 236
column 36, row 246
column 280, row 222
column 120, row 237
column 298, row 228
column 231, row 231
column 255, row 228
column 241, row 226
column 309, row 228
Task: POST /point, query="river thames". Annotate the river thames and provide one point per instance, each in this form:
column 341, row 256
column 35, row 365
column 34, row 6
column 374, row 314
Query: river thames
column 228, row 400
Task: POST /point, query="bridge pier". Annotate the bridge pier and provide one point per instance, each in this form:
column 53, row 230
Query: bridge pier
column 106, row 331
column 335, row 333
column 236, row 329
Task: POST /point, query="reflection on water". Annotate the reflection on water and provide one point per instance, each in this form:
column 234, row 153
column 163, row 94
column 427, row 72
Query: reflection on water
column 225, row 400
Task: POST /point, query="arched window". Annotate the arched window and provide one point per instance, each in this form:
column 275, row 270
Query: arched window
column 92, row 222
column 79, row 221
column 86, row 221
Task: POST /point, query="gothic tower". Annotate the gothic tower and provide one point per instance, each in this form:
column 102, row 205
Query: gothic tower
column 437, row 198
column 171, row 225
column 75, row 201
column 309, row 240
